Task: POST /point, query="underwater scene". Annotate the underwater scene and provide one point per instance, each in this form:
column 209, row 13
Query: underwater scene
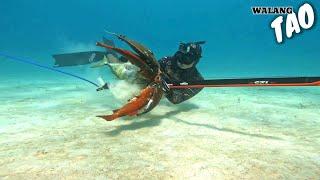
column 159, row 89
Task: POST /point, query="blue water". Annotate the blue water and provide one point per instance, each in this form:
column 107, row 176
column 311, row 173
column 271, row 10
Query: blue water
column 48, row 123
column 238, row 42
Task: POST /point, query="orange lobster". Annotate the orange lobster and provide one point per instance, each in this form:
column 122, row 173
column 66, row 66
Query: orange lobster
column 133, row 106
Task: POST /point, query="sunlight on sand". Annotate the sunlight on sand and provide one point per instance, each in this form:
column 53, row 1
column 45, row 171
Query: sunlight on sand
column 50, row 130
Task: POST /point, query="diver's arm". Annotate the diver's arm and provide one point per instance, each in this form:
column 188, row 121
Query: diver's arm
column 177, row 96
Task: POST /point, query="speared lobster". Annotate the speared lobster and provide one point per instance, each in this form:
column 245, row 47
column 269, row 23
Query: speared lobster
column 151, row 95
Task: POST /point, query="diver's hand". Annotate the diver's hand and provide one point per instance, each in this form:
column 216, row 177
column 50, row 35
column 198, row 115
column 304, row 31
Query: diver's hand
column 165, row 86
column 164, row 83
column 105, row 86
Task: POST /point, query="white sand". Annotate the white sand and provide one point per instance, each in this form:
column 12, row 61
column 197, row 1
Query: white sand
column 49, row 130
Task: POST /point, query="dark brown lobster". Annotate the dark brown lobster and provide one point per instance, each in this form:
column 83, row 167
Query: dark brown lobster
column 151, row 95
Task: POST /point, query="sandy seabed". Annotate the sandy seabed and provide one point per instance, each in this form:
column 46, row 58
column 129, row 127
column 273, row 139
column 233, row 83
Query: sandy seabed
column 48, row 130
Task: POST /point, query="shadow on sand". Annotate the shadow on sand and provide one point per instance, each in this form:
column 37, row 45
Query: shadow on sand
column 155, row 120
column 226, row 130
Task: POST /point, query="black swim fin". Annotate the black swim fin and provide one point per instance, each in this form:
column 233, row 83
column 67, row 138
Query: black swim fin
column 78, row 58
column 110, row 43
column 82, row 58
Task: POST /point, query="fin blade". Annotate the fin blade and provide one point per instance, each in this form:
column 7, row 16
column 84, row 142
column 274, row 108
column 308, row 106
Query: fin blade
column 78, row 58
column 110, row 43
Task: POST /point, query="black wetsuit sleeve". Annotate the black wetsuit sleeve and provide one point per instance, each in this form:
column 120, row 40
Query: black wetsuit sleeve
column 174, row 74
column 177, row 96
